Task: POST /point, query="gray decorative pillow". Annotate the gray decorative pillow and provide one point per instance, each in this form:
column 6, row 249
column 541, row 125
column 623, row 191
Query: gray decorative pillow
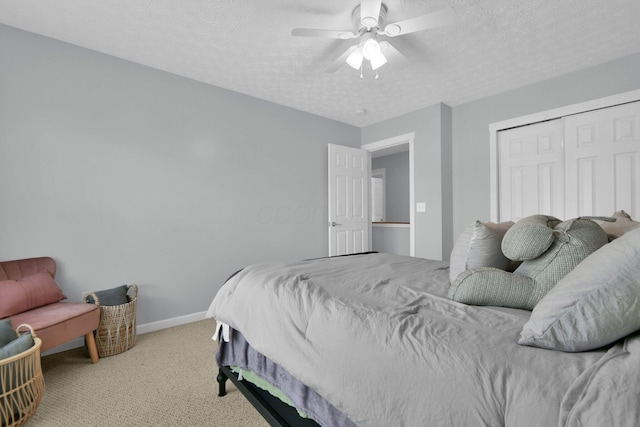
column 114, row 296
column 597, row 303
column 529, row 238
column 23, row 343
column 572, row 241
column 7, row 333
column 479, row 246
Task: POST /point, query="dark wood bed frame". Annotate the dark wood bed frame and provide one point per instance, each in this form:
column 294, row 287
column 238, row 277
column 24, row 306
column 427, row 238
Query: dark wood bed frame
column 272, row 409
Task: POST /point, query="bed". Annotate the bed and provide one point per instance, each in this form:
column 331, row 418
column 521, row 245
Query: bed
column 373, row 340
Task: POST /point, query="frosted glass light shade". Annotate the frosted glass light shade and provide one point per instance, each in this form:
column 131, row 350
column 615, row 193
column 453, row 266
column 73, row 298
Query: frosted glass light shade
column 355, row 58
column 378, row 61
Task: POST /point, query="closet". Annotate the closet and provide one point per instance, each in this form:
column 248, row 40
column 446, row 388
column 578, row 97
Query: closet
column 581, row 164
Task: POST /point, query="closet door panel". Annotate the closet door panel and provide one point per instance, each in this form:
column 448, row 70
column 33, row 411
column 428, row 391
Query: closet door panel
column 531, row 175
column 602, row 160
column 626, row 179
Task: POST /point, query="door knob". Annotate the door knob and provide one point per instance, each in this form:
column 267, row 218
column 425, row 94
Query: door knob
column 333, row 224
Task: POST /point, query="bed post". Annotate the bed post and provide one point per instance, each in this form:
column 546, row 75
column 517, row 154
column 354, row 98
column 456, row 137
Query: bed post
column 222, row 380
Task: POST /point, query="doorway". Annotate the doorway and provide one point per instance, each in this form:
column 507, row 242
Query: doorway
column 392, row 229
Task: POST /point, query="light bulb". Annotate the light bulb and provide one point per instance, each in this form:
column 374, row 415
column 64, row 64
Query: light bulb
column 370, row 48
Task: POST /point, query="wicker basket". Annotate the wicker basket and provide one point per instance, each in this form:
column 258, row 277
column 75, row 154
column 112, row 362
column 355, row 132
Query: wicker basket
column 22, row 384
column 116, row 332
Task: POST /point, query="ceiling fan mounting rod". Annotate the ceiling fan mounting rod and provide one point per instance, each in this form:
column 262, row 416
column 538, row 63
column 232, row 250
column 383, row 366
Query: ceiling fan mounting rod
column 362, row 28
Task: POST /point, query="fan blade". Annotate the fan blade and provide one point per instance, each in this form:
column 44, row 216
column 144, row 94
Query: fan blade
column 435, row 19
column 394, row 56
column 370, row 12
column 340, row 61
column 331, row 34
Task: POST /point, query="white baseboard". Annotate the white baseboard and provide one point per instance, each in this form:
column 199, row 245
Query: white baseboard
column 141, row 329
column 169, row 323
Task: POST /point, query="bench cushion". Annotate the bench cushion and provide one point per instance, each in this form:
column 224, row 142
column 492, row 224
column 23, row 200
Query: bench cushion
column 60, row 322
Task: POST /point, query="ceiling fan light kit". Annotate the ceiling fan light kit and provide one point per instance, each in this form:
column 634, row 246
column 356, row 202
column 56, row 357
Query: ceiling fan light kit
column 368, row 17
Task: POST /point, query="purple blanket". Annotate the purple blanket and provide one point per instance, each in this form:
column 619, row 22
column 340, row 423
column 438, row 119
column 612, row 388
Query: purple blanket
column 238, row 352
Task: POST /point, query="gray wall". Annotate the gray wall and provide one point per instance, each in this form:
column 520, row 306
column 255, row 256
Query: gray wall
column 471, row 125
column 126, row 174
column 432, row 154
column 393, row 240
column 396, row 168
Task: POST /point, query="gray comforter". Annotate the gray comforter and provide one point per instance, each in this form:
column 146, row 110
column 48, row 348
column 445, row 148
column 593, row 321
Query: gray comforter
column 376, row 336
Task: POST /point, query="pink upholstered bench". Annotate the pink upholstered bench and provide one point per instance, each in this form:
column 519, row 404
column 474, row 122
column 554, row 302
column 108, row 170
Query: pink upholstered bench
column 54, row 323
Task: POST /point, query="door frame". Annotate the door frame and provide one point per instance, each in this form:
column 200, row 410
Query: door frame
column 556, row 113
column 407, row 138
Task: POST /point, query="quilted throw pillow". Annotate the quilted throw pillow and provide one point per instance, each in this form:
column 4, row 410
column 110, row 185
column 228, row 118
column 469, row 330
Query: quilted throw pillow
column 597, row 303
column 27, row 293
column 479, row 246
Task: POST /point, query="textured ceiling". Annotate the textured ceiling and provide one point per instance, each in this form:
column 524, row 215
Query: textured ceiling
column 246, row 46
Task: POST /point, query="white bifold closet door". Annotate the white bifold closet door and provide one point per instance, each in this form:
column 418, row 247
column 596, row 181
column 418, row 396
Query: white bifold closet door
column 578, row 165
column 602, row 161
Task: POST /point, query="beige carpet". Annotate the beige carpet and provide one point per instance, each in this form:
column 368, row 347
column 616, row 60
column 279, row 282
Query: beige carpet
column 167, row 379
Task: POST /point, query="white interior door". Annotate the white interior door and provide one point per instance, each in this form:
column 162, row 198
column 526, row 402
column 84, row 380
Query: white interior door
column 348, row 200
column 531, row 171
column 603, row 161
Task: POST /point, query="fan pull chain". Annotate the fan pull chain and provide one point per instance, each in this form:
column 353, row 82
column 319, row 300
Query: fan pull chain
column 361, row 75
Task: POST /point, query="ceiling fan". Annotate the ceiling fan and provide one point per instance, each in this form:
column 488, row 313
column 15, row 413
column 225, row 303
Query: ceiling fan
column 368, row 19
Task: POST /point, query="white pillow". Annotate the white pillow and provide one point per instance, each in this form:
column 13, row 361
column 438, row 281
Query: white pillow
column 479, row 246
column 597, row 303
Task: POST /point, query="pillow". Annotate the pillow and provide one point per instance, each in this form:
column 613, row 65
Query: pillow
column 27, row 293
column 597, row 303
column 7, row 333
column 531, row 237
column 622, row 225
column 113, row 296
column 479, row 246
column 23, row 343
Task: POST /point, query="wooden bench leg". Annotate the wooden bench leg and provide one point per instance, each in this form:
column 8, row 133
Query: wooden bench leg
column 91, row 345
